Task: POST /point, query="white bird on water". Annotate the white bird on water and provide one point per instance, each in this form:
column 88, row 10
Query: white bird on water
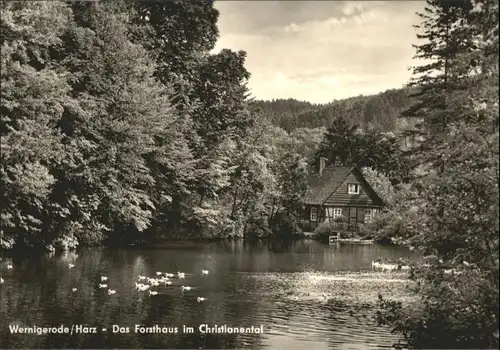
column 1, row 280
column 103, row 285
column 200, row 299
column 111, row 291
column 142, row 278
column 388, row 267
column 186, row 288
column 169, row 275
column 153, row 292
column 71, row 266
column 167, row 283
column 141, row 287
column 204, row 272
column 104, row 278
column 384, row 266
column 74, row 290
column 158, row 273
column 10, row 267
column 181, row 274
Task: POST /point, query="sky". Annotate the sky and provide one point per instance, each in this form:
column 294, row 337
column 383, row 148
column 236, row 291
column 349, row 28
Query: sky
column 320, row 51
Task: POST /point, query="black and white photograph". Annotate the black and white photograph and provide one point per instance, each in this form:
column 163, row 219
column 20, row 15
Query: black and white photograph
column 213, row 174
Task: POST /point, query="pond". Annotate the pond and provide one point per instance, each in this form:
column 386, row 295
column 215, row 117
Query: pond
column 304, row 294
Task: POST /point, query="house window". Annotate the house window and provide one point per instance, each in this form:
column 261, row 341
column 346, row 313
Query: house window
column 314, row 214
column 368, row 214
column 332, row 213
column 352, row 188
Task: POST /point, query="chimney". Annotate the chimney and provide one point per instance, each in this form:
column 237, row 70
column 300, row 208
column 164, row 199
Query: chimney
column 320, row 165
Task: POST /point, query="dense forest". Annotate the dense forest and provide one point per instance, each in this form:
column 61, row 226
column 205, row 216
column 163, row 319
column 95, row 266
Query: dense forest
column 381, row 112
column 112, row 133
column 118, row 125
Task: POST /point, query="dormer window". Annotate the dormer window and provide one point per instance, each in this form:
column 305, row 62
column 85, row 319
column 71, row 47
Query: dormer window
column 352, row 188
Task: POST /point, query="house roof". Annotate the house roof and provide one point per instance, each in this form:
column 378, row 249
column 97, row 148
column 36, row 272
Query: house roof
column 320, row 187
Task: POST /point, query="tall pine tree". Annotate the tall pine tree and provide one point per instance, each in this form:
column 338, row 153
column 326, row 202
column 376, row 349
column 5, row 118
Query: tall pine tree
column 459, row 306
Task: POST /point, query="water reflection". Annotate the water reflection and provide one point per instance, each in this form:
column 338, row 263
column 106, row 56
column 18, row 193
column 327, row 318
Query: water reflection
column 305, row 294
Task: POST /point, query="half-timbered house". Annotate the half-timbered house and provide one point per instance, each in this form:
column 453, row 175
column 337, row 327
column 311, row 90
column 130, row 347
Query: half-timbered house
column 335, row 191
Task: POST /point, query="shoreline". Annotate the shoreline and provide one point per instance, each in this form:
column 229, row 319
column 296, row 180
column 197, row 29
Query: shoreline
column 168, row 241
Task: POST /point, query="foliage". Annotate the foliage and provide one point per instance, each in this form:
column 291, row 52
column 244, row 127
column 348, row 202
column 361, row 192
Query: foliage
column 124, row 118
column 119, row 124
column 334, row 225
column 457, row 219
column 284, row 225
column 381, row 185
column 66, row 242
column 345, row 144
column 377, row 112
column 401, row 209
column 33, row 98
column 212, row 87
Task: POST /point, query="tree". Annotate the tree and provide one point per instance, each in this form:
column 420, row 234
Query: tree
column 212, row 87
column 123, row 120
column 339, row 143
column 446, row 35
column 34, row 96
column 178, row 33
column 348, row 145
column 221, row 93
column 460, row 310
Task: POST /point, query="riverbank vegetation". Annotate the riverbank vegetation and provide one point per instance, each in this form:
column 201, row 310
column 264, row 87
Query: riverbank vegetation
column 113, row 134
column 455, row 216
column 119, row 125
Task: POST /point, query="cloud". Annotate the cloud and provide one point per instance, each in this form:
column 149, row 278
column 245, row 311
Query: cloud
column 320, row 50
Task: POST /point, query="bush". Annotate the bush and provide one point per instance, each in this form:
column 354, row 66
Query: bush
column 455, row 312
column 336, row 225
column 285, row 226
column 384, row 227
column 326, row 227
column 258, row 227
column 92, row 235
column 66, row 243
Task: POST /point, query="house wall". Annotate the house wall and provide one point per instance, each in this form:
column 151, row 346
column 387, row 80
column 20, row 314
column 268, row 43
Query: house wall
column 355, row 214
column 361, row 215
column 306, row 223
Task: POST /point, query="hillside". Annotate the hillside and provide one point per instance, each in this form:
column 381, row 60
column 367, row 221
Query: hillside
column 379, row 111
